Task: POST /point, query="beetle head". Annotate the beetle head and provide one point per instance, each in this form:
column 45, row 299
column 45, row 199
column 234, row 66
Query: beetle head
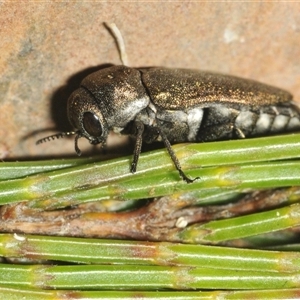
column 107, row 100
column 84, row 115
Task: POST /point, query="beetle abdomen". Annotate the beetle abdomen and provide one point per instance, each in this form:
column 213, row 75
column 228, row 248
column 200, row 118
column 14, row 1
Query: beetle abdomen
column 225, row 122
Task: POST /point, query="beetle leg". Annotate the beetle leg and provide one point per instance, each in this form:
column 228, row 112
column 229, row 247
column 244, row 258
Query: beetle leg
column 77, row 150
column 139, row 126
column 174, row 157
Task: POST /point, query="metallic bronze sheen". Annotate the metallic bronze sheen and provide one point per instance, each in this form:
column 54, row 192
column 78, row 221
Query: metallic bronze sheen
column 178, row 89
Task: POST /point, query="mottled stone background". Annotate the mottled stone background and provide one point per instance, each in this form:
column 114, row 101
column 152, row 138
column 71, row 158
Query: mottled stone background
column 48, row 47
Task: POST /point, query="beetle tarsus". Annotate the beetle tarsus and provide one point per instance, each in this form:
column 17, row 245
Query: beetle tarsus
column 185, row 178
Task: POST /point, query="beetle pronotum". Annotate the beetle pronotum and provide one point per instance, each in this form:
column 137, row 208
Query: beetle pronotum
column 174, row 106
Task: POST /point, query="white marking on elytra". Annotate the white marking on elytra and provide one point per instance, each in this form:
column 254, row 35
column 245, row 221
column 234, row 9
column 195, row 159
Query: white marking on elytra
column 279, row 123
column 223, row 111
column 294, row 123
column 244, row 119
column 194, row 119
column 263, row 123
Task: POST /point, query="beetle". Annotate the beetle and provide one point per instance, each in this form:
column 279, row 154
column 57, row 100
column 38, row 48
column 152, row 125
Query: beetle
column 174, row 106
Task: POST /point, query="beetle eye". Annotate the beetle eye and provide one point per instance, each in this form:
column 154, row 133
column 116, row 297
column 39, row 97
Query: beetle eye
column 92, row 124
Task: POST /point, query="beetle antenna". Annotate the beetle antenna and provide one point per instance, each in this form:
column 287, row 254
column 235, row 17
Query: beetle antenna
column 117, row 35
column 56, row 136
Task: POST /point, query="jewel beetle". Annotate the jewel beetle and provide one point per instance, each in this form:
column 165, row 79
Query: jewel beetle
column 175, row 106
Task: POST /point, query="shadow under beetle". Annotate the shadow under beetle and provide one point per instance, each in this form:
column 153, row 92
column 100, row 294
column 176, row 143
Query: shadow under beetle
column 174, row 106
